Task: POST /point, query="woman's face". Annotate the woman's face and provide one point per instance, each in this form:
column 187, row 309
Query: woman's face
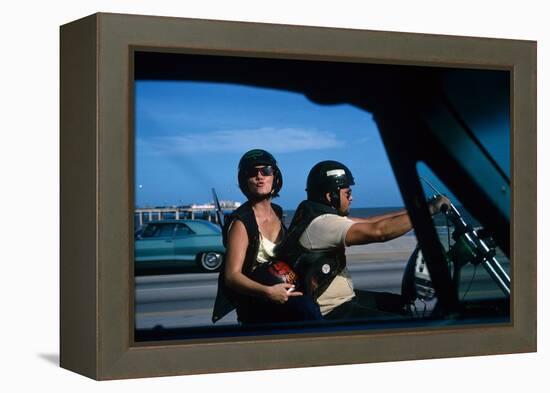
column 258, row 183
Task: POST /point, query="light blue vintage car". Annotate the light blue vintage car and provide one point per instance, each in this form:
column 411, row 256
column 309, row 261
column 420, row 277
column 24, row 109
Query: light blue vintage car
column 173, row 244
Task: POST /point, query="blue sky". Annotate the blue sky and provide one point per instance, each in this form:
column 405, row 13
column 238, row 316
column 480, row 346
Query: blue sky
column 191, row 135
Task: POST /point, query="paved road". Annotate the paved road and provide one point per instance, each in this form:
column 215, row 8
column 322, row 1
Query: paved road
column 184, row 300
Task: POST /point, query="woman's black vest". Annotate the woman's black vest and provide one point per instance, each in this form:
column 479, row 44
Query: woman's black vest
column 226, row 299
column 316, row 268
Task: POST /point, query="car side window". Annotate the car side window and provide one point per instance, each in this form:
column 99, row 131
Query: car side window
column 183, row 230
column 158, row 230
column 149, row 230
column 166, row 230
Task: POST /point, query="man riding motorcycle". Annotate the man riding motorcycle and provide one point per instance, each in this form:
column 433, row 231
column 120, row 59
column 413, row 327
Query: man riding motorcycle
column 320, row 231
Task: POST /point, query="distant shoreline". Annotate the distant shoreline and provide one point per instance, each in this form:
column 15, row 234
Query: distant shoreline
column 354, row 212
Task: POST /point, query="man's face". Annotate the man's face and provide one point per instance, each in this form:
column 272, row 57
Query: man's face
column 345, row 201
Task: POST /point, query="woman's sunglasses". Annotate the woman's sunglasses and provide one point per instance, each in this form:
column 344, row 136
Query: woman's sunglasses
column 265, row 171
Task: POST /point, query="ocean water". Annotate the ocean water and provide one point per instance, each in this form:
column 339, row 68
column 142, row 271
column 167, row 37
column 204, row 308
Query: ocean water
column 439, row 219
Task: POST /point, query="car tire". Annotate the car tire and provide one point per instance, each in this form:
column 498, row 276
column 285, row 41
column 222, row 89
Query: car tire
column 210, row 261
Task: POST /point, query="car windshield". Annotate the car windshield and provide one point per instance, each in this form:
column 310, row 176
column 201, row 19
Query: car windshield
column 384, row 121
column 183, row 230
column 470, row 90
column 473, row 279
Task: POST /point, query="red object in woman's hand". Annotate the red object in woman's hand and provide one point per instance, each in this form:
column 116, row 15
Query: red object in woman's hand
column 276, row 272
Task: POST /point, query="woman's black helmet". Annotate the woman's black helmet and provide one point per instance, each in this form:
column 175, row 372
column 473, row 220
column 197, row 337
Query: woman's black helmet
column 256, row 157
column 328, row 176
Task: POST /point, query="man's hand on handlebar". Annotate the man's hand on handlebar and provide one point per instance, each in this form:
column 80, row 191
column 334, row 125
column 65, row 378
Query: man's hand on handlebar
column 438, row 204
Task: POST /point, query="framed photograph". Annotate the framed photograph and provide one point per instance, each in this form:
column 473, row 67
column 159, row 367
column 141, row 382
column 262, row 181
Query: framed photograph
column 417, row 151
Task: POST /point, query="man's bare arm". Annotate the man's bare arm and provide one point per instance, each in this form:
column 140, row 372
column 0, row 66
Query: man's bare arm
column 389, row 227
column 379, row 231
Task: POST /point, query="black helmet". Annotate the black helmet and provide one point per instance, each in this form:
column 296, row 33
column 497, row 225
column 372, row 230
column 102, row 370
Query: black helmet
column 328, row 176
column 256, row 157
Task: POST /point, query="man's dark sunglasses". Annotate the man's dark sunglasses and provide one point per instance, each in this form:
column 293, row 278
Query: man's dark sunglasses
column 265, row 171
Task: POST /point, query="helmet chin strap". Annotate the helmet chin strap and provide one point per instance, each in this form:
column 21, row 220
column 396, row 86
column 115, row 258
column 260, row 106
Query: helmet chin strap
column 335, row 199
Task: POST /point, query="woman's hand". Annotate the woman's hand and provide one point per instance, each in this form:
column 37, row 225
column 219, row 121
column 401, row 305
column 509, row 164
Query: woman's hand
column 279, row 293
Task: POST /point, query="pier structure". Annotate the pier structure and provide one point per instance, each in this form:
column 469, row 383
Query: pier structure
column 204, row 211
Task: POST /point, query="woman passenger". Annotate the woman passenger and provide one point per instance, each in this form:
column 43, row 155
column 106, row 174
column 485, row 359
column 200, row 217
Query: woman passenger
column 250, row 235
